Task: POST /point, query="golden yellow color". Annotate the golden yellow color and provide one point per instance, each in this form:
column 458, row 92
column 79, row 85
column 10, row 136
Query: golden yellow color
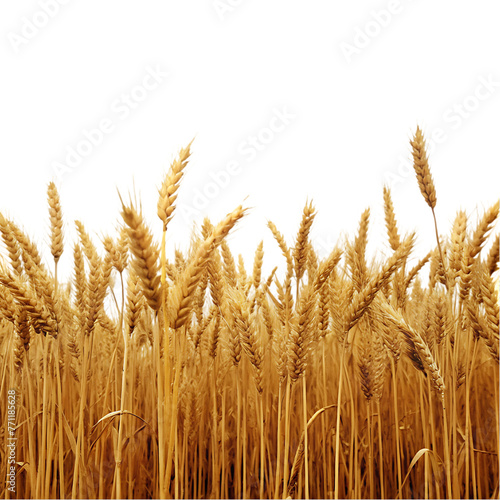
column 145, row 377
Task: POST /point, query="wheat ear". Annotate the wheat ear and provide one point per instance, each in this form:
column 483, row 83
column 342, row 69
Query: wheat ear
column 301, row 336
column 40, row 317
column 362, row 300
column 493, row 256
column 170, row 185
column 146, row 255
column 182, row 295
column 390, row 220
column 416, row 348
column 257, row 265
column 458, row 236
column 482, row 230
column 281, row 243
column 356, row 254
column 422, row 170
column 247, row 334
column 426, row 185
column 11, row 244
column 301, row 244
column 56, row 224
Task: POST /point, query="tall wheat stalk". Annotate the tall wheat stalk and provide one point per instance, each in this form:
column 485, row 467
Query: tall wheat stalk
column 157, row 371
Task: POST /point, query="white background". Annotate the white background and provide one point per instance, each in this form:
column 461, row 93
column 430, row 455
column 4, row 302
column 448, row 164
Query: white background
column 356, row 76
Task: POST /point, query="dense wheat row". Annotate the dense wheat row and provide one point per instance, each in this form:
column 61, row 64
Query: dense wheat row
column 190, row 378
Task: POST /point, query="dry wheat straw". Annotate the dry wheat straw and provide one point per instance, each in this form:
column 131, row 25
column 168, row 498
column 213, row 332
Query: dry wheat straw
column 213, row 395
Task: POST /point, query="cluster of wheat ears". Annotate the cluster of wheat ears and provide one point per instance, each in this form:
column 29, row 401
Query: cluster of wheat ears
column 189, row 378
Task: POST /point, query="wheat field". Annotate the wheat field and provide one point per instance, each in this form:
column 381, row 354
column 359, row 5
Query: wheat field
column 199, row 377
